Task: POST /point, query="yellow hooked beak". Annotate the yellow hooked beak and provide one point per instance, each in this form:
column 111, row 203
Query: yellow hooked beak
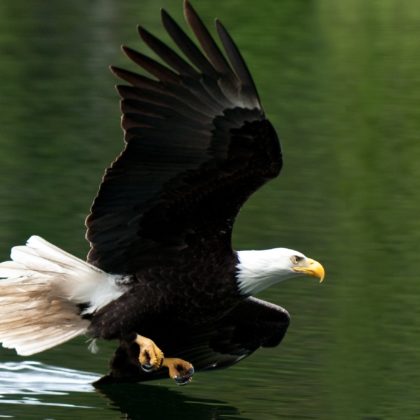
column 312, row 268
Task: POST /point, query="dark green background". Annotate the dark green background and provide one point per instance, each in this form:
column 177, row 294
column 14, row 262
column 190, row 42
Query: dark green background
column 340, row 80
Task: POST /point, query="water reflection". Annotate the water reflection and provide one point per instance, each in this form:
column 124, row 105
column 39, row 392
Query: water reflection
column 138, row 401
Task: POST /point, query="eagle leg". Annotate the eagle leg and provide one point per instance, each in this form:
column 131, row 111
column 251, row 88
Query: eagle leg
column 179, row 370
column 150, row 355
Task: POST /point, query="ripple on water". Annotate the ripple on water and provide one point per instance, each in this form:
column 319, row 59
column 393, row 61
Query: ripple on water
column 22, row 381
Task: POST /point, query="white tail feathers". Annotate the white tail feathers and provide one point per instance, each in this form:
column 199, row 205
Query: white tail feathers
column 39, row 294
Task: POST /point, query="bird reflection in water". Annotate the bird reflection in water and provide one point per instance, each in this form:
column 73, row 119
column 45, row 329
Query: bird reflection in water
column 140, row 401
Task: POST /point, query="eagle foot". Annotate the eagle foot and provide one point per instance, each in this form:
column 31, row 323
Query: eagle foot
column 179, row 370
column 150, row 355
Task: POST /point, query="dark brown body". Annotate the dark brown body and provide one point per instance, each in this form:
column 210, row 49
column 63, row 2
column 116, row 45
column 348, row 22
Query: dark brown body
column 197, row 290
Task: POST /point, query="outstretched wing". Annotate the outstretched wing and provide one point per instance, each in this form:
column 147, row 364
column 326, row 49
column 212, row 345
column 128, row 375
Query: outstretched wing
column 252, row 324
column 197, row 145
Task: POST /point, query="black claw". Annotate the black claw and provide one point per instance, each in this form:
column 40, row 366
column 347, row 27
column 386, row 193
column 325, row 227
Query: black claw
column 147, row 368
column 185, row 379
column 182, row 380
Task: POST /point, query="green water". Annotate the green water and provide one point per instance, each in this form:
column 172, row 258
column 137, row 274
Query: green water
column 340, row 80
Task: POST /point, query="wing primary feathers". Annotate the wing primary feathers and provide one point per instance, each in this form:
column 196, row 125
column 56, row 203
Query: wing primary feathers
column 153, row 67
column 237, row 61
column 190, row 106
column 206, row 41
column 136, row 106
column 187, row 46
column 204, row 99
column 136, row 79
column 167, row 54
column 131, row 92
column 151, row 97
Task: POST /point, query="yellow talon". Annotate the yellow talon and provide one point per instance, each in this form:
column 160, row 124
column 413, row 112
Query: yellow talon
column 150, row 355
column 151, row 358
column 179, row 370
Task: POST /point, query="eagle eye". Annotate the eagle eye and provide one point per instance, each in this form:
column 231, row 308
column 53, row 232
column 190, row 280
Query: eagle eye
column 296, row 259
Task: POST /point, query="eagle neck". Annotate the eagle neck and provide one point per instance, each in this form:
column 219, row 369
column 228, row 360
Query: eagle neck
column 258, row 270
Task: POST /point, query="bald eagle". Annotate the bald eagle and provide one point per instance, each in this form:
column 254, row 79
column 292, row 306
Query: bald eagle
column 161, row 275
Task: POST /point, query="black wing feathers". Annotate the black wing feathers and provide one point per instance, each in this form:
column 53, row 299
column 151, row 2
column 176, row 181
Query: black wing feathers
column 207, row 43
column 153, row 67
column 168, row 55
column 137, row 80
column 197, row 146
column 185, row 44
column 247, row 83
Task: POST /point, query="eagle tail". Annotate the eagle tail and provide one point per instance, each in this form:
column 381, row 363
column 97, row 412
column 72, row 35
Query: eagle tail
column 41, row 293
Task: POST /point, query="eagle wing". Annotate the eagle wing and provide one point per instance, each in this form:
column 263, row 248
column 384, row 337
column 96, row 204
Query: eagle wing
column 197, row 146
column 254, row 323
